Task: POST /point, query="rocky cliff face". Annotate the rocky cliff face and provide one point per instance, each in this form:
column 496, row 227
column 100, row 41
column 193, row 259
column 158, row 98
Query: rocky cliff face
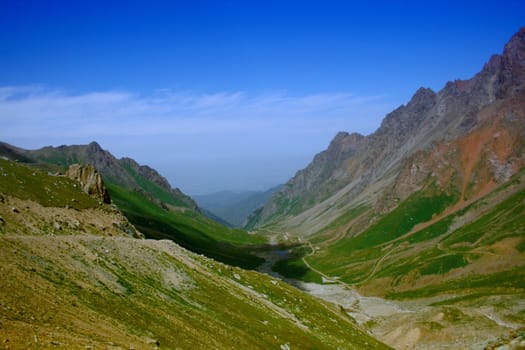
column 90, row 180
column 475, row 125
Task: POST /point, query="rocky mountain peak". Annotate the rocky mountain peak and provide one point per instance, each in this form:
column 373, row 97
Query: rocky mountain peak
column 94, row 147
column 148, row 172
column 515, row 49
column 422, row 97
column 345, row 140
column 493, row 64
column 400, row 122
column 512, row 74
column 340, row 136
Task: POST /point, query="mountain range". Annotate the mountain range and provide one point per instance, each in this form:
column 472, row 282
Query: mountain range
column 480, row 119
column 76, row 274
column 430, row 206
column 415, row 234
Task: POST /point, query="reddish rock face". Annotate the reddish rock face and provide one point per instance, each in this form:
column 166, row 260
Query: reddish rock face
column 477, row 125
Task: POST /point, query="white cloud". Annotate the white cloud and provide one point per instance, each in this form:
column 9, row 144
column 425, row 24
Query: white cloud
column 34, row 111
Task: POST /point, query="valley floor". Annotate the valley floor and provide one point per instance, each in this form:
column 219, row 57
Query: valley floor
column 440, row 322
column 420, row 324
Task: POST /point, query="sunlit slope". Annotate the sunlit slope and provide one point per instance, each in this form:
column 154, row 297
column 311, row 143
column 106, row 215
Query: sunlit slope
column 424, row 247
column 73, row 277
column 468, row 137
column 149, row 202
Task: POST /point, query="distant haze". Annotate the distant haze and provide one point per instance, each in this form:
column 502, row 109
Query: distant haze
column 234, row 95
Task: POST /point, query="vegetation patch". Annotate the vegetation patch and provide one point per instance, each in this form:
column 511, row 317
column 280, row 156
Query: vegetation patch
column 295, row 268
column 507, row 219
column 414, row 210
column 444, row 264
column 521, row 246
column 435, row 230
column 511, row 281
column 21, row 181
column 189, row 229
column 155, row 190
column 346, row 217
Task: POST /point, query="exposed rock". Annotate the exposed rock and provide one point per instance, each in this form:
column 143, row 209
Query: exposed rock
column 90, row 180
column 461, row 118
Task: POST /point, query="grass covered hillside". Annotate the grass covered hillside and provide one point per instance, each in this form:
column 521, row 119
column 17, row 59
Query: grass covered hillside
column 74, row 278
column 420, row 246
column 149, row 202
column 441, row 267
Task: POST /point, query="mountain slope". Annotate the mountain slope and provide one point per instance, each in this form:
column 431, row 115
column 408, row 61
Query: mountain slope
column 149, row 202
column 359, row 170
column 428, row 210
column 73, row 277
column 124, row 172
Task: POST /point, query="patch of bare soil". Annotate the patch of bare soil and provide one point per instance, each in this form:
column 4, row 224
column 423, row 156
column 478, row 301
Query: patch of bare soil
column 418, row 325
column 26, row 217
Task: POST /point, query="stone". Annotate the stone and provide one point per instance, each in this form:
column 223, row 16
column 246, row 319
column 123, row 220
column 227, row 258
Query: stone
column 90, row 180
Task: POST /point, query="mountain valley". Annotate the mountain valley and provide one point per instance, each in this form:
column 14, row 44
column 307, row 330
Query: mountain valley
column 429, row 209
column 412, row 237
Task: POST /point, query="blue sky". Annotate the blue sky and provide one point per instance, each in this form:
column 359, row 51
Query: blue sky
column 229, row 94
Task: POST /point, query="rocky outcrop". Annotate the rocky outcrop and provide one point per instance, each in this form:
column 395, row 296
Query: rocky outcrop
column 90, row 180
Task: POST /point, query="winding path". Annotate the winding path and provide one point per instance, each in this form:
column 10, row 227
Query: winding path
column 326, row 277
column 331, row 279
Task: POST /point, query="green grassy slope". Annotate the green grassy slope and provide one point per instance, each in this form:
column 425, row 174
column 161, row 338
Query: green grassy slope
column 23, row 182
column 158, row 212
column 366, row 246
column 153, row 190
column 470, row 239
column 190, row 229
column 121, row 293
column 85, row 291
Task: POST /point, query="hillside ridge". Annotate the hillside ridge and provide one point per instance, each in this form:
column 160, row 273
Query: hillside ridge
column 428, row 119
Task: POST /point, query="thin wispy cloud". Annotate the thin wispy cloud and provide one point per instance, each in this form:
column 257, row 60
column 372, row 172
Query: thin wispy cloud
column 34, row 111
